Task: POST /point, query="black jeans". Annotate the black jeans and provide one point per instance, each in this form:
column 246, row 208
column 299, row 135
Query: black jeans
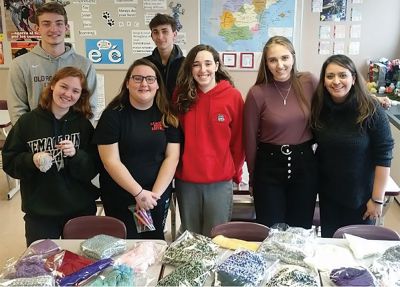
column 285, row 184
column 334, row 215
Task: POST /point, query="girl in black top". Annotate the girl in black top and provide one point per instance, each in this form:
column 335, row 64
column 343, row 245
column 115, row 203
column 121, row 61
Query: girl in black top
column 138, row 141
column 50, row 151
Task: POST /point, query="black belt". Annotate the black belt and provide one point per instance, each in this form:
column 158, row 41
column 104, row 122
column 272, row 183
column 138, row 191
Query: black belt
column 285, row 149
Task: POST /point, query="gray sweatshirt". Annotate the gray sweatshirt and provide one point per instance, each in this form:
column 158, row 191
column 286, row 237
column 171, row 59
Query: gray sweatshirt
column 31, row 72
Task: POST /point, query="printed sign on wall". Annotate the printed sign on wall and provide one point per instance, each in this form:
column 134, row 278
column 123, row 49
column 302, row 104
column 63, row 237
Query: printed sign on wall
column 105, row 51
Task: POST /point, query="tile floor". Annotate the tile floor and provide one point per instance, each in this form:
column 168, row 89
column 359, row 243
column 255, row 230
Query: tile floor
column 12, row 239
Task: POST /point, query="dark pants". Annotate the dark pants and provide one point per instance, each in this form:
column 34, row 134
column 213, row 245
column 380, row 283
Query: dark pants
column 334, row 215
column 48, row 227
column 158, row 214
column 285, row 184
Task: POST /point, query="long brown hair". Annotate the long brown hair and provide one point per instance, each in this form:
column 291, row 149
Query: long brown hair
column 365, row 102
column 187, row 86
column 82, row 106
column 122, row 99
column 265, row 75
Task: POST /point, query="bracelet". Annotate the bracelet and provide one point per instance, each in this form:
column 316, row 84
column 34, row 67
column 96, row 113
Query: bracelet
column 138, row 193
column 377, row 201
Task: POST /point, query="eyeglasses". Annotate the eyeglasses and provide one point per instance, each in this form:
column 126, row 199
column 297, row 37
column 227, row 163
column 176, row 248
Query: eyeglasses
column 139, row 79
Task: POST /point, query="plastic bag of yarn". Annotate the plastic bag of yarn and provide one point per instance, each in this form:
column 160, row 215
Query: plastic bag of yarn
column 352, row 276
column 103, row 246
column 142, row 255
column 143, row 219
column 117, row 275
column 289, row 244
column 32, row 261
column 190, row 247
column 8, row 267
column 294, row 275
column 386, row 268
column 27, row 267
column 44, row 248
column 329, row 256
column 193, row 273
column 306, row 233
column 66, row 262
column 85, row 273
column 244, row 268
column 45, row 280
column 363, row 248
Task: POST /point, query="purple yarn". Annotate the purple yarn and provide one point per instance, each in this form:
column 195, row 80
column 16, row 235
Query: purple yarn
column 350, row 276
column 85, row 272
column 31, row 266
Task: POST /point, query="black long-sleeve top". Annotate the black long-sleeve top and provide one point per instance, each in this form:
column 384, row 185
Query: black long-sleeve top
column 348, row 155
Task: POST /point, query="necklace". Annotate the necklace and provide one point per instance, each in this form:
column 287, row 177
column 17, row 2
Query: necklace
column 287, row 94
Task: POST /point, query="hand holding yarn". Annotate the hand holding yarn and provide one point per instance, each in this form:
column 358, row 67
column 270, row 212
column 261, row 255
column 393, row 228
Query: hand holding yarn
column 67, row 147
column 43, row 161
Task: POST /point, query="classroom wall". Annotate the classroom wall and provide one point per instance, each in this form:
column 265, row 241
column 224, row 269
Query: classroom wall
column 380, row 37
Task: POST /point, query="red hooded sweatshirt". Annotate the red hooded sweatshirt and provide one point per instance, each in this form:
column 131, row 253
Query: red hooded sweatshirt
column 213, row 148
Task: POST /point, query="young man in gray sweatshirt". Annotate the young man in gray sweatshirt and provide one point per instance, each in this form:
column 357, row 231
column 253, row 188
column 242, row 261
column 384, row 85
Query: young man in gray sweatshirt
column 31, row 72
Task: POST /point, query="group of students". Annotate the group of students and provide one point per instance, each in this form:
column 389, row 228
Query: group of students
column 182, row 118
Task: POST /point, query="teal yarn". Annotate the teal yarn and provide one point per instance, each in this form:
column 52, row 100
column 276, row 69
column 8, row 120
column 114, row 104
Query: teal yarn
column 120, row 275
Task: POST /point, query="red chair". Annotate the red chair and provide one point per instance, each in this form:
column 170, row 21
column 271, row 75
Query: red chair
column 249, row 231
column 84, row 227
column 373, row 232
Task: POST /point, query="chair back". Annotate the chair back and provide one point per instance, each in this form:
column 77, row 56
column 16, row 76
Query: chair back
column 84, row 227
column 249, row 231
column 3, row 105
column 373, row 232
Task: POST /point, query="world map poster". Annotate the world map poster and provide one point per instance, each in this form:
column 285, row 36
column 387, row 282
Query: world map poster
column 245, row 25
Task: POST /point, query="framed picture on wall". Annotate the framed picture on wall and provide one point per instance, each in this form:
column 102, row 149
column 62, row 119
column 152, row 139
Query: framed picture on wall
column 247, row 60
column 229, row 59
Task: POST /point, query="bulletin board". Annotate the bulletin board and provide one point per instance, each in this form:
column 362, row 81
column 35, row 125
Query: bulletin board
column 111, row 33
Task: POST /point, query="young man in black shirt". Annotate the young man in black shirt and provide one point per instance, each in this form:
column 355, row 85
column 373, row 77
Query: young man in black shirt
column 167, row 56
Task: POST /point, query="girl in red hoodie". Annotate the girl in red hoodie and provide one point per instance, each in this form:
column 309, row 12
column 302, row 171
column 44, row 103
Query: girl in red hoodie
column 211, row 116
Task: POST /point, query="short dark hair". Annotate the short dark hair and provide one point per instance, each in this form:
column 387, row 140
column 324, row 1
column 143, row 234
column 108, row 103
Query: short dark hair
column 163, row 19
column 51, row 7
